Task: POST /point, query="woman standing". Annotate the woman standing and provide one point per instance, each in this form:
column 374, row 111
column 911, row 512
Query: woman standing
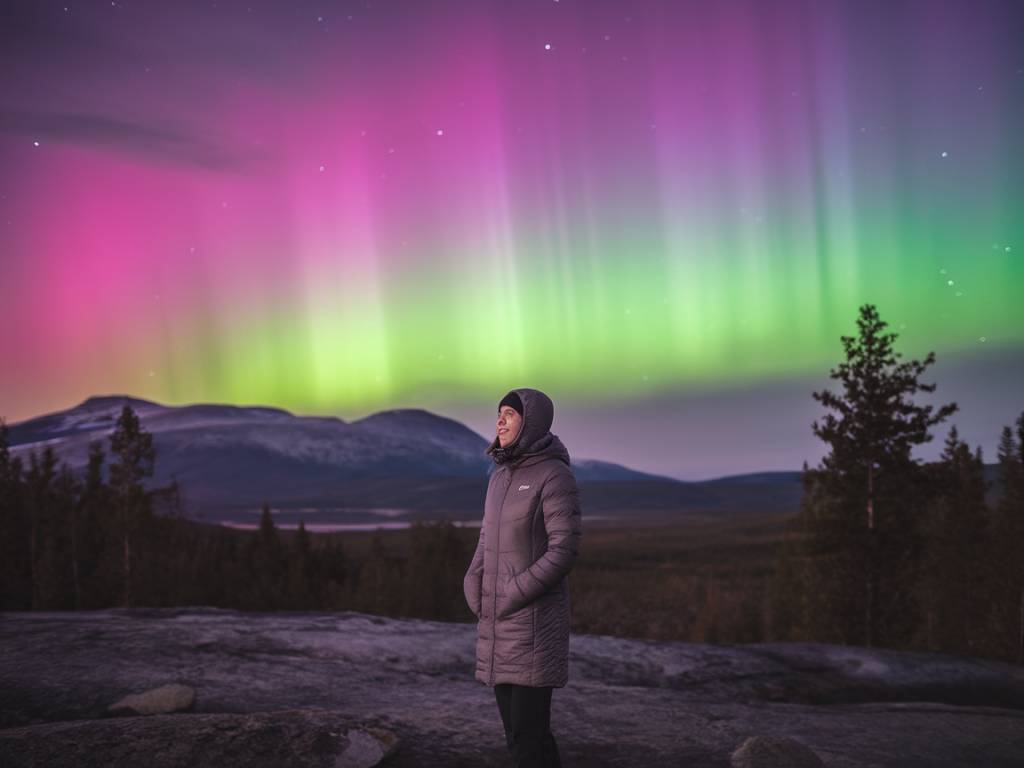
column 516, row 583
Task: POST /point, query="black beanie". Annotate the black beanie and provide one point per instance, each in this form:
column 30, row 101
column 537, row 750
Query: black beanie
column 512, row 399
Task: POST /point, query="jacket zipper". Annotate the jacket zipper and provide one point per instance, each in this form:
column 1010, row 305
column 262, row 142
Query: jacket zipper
column 497, row 573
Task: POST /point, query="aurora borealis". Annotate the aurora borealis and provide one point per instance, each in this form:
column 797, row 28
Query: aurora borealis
column 653, row 211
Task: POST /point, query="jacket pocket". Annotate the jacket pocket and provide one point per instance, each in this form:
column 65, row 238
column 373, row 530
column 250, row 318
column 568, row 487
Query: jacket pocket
column 510, row 599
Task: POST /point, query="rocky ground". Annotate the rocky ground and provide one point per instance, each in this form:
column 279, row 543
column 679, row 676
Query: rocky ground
column 349, row 689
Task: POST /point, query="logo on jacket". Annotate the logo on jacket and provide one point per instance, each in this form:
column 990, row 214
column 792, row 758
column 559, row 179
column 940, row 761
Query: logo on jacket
column 524, row 487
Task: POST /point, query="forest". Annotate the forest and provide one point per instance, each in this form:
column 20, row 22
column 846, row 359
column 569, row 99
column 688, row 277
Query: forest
column 884, row 550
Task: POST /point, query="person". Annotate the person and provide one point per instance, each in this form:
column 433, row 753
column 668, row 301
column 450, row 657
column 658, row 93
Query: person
column 517, row 582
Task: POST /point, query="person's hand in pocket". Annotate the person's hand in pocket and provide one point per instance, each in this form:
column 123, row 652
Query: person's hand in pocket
column 510, row 598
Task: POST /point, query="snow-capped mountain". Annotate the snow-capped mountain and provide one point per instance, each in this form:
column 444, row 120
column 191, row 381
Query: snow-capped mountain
column 233, row 458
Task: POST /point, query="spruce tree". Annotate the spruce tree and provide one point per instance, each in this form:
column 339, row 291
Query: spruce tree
column 378, row 579
column 69, row 492
column 299, row 592
column 1007, row 546
column 41, row 501
column 267, row 562
column 100, row 535
column 873, row 489
column 953, row 573
column 133, row 460
column 15, row 531
column 336, row 589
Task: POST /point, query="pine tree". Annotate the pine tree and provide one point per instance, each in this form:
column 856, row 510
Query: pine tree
column 40, row 480
column 378, row 579
column 1007, row 546
column 331, row 571
column 68, row 491
column 873, row 488
column 953, row 572
column 100, row 535
column 15, row 532
column 266, row 556
column 134, row 458
column 299, row 571
column 1020, row 438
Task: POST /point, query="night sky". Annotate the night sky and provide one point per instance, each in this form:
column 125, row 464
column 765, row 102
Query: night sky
column 663, row 214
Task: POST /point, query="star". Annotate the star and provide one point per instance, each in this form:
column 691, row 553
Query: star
column 440, row 132
column 547, row 46
column 35, row 143
column 945, row 154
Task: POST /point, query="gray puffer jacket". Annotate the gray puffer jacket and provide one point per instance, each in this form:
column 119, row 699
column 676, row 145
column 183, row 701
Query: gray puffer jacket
column 517, row 582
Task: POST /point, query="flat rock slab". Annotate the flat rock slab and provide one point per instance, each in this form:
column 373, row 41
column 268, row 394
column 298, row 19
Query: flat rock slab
column 299, row 738
column 628, row 702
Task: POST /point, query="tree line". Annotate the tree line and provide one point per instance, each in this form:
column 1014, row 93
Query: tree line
column 105, row 540
column 888, row 551
column 884, row 551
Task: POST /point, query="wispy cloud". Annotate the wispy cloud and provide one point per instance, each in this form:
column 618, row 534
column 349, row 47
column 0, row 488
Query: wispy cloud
column 162, row 144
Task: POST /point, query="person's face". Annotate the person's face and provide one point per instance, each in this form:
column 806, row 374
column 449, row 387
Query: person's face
column 509, row 424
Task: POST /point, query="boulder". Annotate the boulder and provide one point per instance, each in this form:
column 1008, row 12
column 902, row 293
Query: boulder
column 775, row 752
column 156, row 701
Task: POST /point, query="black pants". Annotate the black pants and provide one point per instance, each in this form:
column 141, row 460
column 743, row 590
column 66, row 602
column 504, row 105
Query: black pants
column 526, row 715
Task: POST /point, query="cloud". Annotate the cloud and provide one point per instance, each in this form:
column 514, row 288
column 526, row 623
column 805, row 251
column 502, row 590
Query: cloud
column 165, row 145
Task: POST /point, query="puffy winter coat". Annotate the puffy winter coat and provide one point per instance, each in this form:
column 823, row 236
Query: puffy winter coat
column 517, row 582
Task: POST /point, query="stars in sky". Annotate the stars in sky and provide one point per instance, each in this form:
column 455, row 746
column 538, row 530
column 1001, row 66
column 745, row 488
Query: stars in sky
column 678, row 118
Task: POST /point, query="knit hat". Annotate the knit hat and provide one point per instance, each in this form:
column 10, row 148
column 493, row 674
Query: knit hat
column 512, row 400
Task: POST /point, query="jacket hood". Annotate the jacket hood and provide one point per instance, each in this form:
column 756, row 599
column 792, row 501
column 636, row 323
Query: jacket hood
column 535, row 440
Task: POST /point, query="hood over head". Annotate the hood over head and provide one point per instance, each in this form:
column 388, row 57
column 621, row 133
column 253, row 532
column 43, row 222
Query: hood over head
column 535, row 440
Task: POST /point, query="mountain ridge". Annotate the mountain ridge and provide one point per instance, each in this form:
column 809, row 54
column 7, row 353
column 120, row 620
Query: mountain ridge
column 232, row 458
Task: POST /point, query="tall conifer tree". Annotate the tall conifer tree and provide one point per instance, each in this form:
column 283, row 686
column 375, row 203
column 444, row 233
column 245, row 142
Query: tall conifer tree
column 133, row 460
column 953, row 573
column 866, row 527
column 1008, row 546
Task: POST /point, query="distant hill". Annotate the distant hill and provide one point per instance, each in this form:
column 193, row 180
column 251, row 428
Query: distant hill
column 400, row 464
column 394, row 465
